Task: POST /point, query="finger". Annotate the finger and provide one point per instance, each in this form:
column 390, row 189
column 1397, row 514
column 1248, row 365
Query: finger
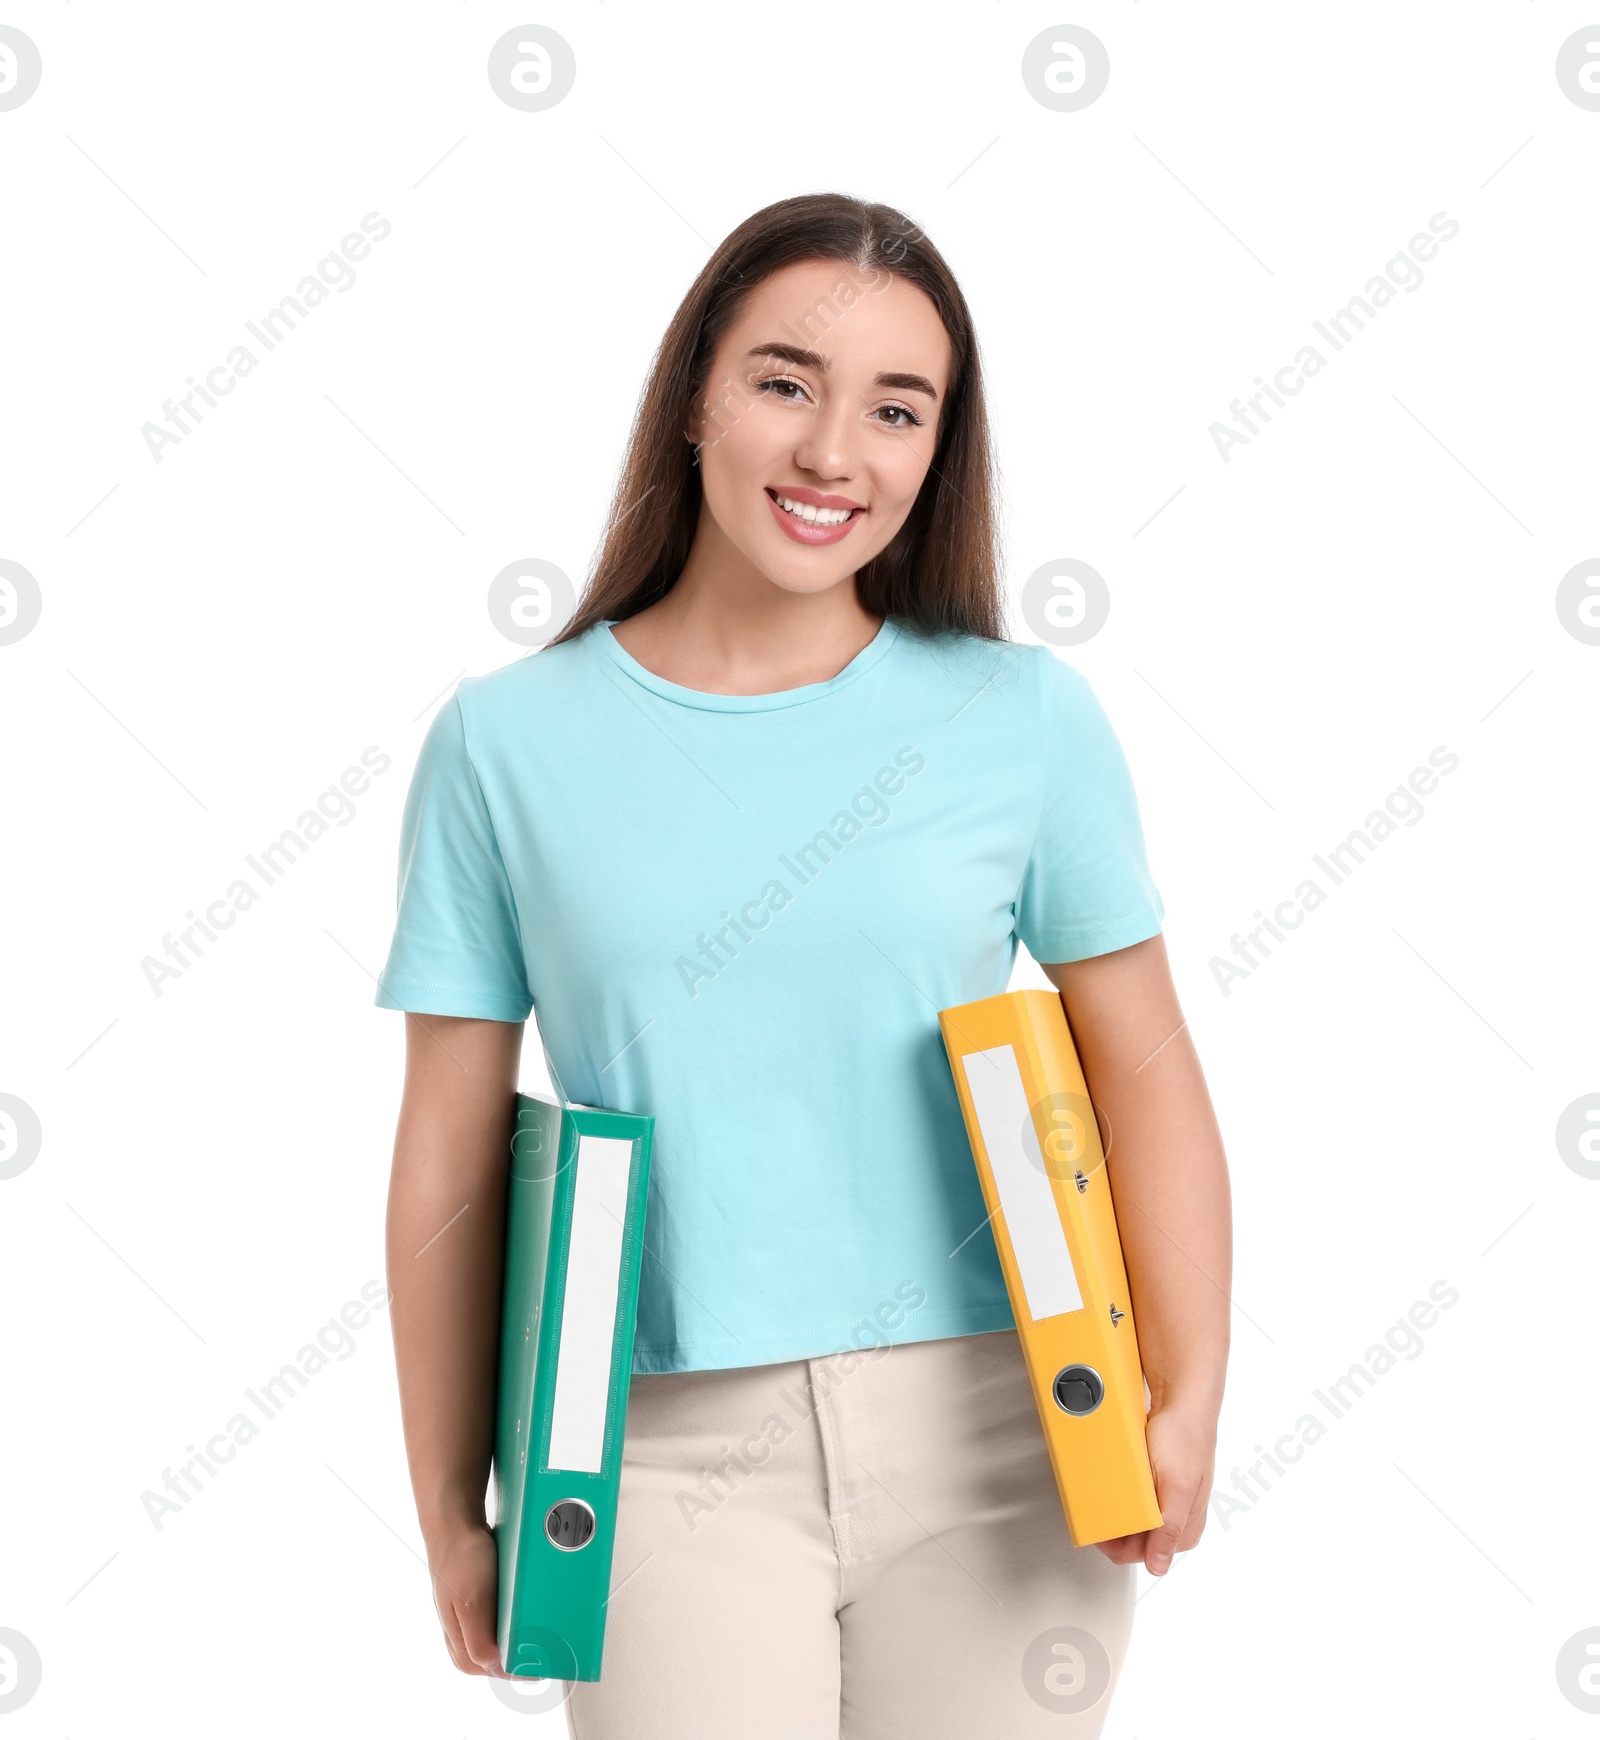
column 1123, row 1549
column 1199, row 1510
column 1163, row 1542
column 458, row 1656
column 479, row 1641
column 450, row 1619
column 448, row 1623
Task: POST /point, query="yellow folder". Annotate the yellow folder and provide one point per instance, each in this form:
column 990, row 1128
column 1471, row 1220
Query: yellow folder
column 1036, row 1141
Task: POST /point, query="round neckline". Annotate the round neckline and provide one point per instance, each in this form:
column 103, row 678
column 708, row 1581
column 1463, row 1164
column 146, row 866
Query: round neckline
column 613, row 649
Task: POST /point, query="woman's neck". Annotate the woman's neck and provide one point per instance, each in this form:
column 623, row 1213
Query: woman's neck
column 745, row 636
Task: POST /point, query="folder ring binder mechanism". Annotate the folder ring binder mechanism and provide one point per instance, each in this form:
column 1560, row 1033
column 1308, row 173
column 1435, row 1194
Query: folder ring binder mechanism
column 1036, row 1143
column 575, row 1211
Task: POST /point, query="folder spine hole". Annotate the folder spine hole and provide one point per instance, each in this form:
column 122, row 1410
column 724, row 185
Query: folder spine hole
column 569, row 1524
column 1078, row 1389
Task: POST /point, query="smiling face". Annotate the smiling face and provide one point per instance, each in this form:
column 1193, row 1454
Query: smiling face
column 819, row 420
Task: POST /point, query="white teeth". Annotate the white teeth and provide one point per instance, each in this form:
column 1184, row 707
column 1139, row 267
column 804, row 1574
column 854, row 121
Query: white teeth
column 816, row 516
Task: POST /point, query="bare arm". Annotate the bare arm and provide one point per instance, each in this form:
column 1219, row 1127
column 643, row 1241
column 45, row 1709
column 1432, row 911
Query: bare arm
column 445, row 1230
column 1169, row 1182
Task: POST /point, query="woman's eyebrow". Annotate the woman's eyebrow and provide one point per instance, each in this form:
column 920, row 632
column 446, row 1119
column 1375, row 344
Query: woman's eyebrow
column 811, row 359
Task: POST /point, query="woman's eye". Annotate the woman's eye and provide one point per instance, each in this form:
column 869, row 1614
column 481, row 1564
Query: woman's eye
column 791, row 392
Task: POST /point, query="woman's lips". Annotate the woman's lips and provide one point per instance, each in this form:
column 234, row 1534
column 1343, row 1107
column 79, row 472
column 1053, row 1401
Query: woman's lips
column 803, row 531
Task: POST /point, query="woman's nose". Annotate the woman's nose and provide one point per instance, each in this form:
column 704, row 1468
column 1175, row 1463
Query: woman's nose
column 827, row 449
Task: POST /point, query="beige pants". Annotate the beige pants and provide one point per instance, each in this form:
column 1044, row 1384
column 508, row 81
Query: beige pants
column 862, row 1547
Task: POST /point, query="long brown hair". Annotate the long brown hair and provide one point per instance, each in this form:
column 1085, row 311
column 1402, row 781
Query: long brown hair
column 941, row 570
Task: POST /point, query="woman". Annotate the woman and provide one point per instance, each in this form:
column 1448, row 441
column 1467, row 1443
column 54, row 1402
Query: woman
column 778, row 793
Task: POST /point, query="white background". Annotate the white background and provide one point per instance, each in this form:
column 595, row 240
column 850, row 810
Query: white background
column 1291, row 632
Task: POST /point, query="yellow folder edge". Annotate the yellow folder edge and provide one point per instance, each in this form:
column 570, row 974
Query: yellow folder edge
column 1078, row 1279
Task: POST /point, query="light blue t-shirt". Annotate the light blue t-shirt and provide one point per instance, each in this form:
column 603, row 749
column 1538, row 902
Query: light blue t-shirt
column 741, row 914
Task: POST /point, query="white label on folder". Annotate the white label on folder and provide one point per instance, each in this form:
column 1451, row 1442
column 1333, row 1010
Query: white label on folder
column 589, row 1304
column 1027, row 1203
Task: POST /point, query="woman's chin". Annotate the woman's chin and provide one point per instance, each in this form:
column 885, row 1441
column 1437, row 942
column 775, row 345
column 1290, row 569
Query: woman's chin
column 793, row 569
column 806, row 583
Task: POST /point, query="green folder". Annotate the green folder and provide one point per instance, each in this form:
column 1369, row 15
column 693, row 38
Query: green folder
column 574, row 1239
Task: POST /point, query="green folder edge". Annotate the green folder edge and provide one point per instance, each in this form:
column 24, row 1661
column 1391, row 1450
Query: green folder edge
column 551, row 1617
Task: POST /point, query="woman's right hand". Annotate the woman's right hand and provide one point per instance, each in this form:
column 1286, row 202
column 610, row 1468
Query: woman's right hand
column 451, row 1154
column 465, row 1570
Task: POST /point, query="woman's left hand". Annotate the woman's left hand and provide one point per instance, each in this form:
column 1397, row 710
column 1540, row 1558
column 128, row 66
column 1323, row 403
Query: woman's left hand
column 1183, row 1448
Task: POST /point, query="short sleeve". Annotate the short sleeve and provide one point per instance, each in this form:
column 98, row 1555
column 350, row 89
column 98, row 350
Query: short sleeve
column 1087, row 888
column 457, row 947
